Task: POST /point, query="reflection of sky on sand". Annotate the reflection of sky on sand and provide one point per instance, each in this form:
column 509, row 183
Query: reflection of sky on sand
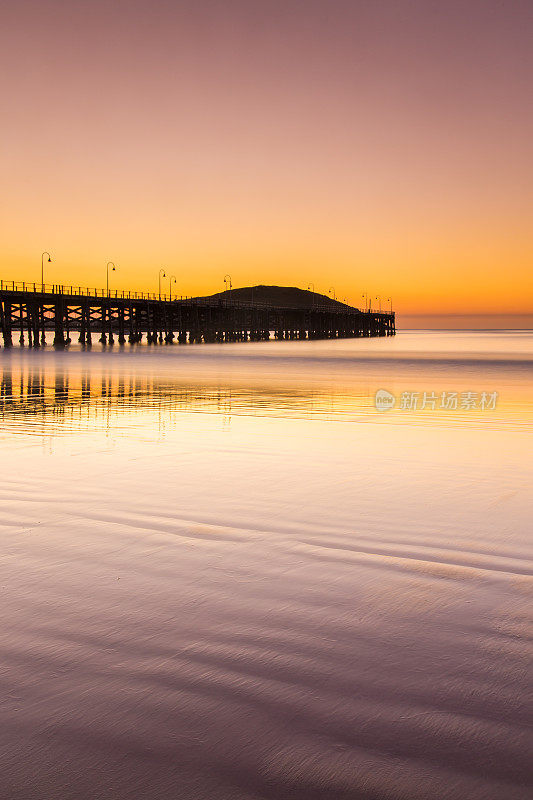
column 210, row 582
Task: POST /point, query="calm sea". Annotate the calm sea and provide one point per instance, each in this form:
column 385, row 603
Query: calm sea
column 226, row 575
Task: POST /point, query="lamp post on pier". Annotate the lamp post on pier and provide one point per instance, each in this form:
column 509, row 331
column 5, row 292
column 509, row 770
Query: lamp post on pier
column 172, row 278
column 379, row 298
column 42, row 267
column 227, row 283
column 109, row 264
column 389, row 300
column 332, row 289
column 162, row 274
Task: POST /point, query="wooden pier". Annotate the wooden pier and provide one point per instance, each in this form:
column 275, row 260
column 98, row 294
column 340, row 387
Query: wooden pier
column 29, row 311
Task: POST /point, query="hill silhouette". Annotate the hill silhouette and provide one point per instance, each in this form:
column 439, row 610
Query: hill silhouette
column 281, row 296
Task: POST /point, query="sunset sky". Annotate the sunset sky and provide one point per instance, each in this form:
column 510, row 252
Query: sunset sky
column 381, row 146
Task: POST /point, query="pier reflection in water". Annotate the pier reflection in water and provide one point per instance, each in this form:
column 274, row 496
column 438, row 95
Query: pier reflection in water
column 36, row 397
column 84, row 391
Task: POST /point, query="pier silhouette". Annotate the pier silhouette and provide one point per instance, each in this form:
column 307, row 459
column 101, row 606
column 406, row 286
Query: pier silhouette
column 29, row 311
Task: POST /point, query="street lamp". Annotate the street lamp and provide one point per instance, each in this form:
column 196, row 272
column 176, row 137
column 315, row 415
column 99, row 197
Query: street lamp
column 162, row 274
column 109, row 264
column 389, row 300
column 42, row 267
column 227, row 282
column 379, row 298
column 332, row 289
column 365, row 295
column 172, row 278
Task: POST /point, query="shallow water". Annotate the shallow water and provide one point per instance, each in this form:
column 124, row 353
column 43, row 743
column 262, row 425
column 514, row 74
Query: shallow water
column 225, row 574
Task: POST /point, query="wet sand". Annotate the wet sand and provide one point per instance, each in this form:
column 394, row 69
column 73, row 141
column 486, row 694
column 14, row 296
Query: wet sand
column 225, row 575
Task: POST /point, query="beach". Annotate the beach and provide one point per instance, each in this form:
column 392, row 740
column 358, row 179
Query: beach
column 226, row 575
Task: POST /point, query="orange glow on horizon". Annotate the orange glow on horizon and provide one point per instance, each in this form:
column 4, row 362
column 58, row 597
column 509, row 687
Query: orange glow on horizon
column 338, row 149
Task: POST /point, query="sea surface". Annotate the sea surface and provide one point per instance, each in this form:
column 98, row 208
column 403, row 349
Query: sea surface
column 226, row 575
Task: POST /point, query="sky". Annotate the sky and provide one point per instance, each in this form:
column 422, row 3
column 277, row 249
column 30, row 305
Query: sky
column 364, row 146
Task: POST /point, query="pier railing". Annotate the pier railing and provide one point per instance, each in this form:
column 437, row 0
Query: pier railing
column 83, row 291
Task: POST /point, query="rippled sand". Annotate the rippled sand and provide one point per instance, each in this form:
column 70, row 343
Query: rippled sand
column 225, row 575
